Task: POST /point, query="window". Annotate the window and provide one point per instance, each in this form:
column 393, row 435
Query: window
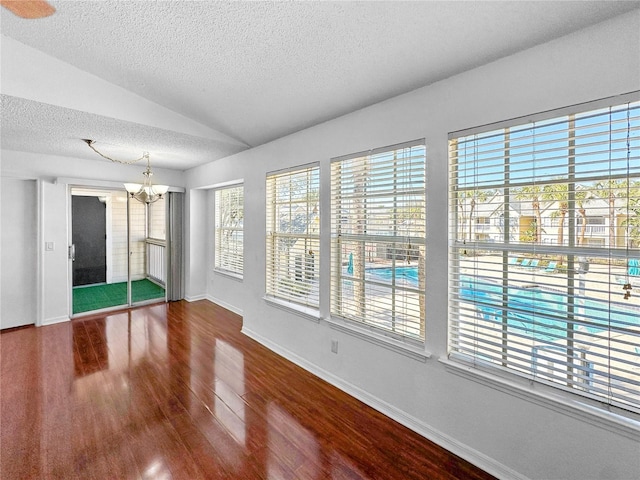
column 293, row 235
column 229, row 208
column 378, row 239
column 557, row 302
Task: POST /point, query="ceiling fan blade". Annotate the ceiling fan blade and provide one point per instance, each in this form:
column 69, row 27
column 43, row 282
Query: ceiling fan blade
column 29, row 8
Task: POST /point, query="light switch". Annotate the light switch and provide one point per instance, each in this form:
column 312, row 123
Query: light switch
column 48, row 246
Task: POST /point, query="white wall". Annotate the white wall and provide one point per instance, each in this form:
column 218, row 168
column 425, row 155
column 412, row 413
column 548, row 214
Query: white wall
column 507, row 430
column 196, row 237
column 18, row 241
column 53, row 209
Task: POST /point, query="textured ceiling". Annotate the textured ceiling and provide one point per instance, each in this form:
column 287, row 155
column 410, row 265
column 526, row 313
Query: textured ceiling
column 251, row 72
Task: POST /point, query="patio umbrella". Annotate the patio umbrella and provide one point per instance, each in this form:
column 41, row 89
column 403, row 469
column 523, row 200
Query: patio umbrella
column 350, row 264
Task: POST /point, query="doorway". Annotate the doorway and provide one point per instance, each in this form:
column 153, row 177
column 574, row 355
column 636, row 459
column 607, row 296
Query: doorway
column 116, row 263
column 89, row 238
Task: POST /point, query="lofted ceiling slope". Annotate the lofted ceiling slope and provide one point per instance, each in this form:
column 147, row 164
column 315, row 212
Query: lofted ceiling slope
column 194, row 81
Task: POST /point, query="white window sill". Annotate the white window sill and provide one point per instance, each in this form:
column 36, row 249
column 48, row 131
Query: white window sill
column 593, row 412
column 305, row 312
column 229, row 274
column 370, row 335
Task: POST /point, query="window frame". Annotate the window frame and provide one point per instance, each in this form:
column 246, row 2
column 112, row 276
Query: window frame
column 509, row 247
column 362, row 324
column 296, row 283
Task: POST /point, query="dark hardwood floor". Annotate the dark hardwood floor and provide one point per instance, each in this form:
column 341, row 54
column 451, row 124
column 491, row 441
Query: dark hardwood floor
column 176, row 391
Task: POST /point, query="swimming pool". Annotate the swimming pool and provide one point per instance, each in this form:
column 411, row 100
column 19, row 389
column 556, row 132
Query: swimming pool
column 539, row 313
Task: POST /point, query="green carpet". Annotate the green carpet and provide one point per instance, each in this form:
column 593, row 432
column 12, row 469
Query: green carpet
column 96, row 297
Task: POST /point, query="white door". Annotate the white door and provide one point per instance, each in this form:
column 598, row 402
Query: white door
column 18, row 247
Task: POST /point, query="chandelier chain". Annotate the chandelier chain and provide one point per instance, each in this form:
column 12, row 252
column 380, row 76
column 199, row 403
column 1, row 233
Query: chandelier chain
column 146, row 192
column 115, row 160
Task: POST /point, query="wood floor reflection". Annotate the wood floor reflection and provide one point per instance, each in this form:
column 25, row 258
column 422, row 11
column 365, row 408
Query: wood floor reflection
column 176, row 391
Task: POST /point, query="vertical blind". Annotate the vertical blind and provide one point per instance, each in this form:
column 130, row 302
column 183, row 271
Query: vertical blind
column 229, row 212
column 175, row 239
column 293, row 235
column 545, row 250
column 378, row 239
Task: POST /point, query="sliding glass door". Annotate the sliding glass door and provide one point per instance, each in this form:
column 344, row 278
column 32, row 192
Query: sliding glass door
column 118, row 250
column 147, row 246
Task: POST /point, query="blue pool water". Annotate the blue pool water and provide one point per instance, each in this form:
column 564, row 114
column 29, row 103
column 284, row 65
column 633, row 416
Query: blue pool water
column 407, row 273
column 533, row 311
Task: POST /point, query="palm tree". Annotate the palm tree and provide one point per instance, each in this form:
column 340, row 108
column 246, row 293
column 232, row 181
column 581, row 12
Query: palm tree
column 612, row 190
column 473, row 197
column 533, row 193
column 558, row 192
column 581, row 200
column 632, row 222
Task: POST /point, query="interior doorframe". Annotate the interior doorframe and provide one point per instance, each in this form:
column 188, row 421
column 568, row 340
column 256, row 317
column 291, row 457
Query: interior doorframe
column 105, row 186
column 93, row 188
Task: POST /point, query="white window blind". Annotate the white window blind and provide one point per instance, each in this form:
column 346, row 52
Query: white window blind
column 293, row 235
column 229, row 211
column 378, row 239
column 549, row 288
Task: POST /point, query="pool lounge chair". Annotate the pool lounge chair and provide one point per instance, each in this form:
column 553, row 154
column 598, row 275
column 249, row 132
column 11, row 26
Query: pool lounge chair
column 514, row 261
column 534, row 263
column 525, row 263
column 633, row 273
column 551, row 268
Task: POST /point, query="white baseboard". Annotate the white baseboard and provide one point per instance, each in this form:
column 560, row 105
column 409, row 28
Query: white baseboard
column 54, row 320
column 464, row 451
column 217, row 301
column 195, row 298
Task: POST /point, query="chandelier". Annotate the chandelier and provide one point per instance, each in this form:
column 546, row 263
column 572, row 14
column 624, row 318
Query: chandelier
column 145, row 192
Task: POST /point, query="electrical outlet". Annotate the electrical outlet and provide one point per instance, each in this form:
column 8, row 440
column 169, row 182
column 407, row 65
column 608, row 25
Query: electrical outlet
column 48, row 246
column 334, row 346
